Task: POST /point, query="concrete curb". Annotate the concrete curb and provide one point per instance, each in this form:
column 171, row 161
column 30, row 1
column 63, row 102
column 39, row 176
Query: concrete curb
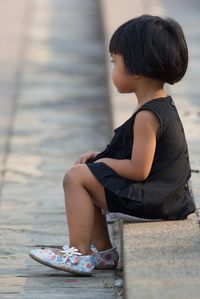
column 162, row 259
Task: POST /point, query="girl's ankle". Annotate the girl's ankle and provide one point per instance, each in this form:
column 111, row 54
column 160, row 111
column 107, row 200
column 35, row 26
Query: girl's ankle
column 102, row 247
column 85, row 250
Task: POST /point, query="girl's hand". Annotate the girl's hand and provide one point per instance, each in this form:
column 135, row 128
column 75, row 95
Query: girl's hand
column 87, row 156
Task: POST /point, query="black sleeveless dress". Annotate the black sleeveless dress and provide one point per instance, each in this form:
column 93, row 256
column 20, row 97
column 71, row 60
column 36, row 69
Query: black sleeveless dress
column 165, row 194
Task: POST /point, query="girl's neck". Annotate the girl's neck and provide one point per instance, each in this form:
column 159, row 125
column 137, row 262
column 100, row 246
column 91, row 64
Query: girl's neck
column 147, row 92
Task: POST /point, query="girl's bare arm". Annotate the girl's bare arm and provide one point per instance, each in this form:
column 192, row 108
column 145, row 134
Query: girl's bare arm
column 145, row 130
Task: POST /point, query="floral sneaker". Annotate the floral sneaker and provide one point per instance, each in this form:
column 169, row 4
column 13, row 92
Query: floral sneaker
column 68, row 259
column 105, row 259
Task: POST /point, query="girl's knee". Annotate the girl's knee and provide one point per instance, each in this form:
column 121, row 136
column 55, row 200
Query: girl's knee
column 73, row 175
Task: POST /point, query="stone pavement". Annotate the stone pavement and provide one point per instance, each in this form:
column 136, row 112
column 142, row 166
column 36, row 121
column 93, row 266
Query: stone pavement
column 11, row 33
column 162, row 259
column 60, row 110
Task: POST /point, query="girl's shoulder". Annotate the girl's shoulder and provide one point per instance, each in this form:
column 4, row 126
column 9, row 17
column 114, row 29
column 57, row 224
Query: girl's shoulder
column 163, row 108
column 165, row 111
column 159, row 104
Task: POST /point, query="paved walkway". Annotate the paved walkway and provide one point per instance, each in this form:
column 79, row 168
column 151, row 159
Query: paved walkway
column 62, row 111
column 11, row 37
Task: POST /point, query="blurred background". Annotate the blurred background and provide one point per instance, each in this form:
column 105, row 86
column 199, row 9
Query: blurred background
column 52, row 78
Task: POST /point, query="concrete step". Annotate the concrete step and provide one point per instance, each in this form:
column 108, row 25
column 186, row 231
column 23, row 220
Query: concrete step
column 162, row 259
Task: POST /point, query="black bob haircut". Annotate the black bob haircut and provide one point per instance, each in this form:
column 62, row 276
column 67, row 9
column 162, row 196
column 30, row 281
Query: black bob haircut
column 152, row 46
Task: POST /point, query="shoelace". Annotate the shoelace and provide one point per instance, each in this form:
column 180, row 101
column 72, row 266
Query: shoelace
column 70, row 251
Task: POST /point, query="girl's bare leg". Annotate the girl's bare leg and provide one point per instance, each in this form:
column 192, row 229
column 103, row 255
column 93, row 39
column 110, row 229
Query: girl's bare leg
column 100, row 234
column 83, row 193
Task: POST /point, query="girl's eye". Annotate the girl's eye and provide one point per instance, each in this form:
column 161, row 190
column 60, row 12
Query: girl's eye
column 112, row 61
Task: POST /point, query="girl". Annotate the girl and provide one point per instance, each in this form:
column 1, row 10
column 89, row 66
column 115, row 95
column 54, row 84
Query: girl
column 145, row 169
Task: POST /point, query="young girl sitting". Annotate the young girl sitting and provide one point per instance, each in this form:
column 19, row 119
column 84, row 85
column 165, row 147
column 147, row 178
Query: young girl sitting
column 145, row 169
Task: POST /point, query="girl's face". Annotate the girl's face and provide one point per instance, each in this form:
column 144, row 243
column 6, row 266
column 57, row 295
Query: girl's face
column 123, row 81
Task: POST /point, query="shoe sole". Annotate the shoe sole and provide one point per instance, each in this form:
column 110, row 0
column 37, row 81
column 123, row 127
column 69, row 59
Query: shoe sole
column 105, row 267
column 76, row 272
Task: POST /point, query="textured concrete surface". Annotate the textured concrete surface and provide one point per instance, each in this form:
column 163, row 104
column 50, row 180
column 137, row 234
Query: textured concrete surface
column 161, row 260
column 12, row 29
column 61, row 111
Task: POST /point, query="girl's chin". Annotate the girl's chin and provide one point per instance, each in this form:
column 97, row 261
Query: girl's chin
column 125, row 91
